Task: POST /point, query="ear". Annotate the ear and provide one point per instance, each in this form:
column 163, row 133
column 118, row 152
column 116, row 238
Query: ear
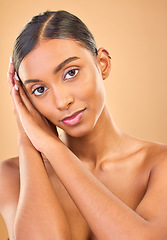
column 104, row 62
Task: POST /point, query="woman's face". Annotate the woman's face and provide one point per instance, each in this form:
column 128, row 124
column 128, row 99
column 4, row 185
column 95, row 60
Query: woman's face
column 64, row 82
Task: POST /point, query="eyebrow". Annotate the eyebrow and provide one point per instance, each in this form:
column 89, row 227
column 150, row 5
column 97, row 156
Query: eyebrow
column 56, row 70
column 65, row 62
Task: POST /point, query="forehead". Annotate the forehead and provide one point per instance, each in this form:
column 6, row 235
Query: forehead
column 49, row 53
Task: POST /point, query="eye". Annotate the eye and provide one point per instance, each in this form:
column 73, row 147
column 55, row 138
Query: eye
column 39, row 90
column 72, row 73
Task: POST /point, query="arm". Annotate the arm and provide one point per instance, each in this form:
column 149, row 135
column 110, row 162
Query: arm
column 9, row 192
column 39, row 214
column 106, row 214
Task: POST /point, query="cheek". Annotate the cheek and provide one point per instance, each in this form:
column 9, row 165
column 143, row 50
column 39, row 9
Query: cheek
column 90, row 84
column 94, row 90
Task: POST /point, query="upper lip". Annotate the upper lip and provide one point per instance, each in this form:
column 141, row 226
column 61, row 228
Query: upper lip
column 72, row 115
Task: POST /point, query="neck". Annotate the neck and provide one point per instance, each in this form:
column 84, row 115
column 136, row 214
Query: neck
column 102, row 141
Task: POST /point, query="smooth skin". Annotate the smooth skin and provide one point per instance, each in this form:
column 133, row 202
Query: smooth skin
column 94, row 182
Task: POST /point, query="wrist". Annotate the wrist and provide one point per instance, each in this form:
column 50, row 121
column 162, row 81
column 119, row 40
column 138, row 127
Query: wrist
column 23, row 139
column 50, row 145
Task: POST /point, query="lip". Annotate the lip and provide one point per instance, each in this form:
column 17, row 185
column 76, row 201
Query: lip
column 74, row 118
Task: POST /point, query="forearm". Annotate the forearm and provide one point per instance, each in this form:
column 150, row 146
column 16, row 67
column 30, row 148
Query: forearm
column 39, row 214
column 106, row 214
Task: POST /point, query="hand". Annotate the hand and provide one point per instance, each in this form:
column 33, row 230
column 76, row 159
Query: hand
column 30, row 121
column 12, row 80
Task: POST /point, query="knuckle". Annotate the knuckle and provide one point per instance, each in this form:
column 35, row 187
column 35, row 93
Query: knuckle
column 20, row 103
column 22, row 93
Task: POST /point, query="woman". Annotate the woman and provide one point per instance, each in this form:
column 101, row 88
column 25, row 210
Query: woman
column 93, row 181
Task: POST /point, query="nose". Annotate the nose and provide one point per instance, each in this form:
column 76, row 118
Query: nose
column 63, row 98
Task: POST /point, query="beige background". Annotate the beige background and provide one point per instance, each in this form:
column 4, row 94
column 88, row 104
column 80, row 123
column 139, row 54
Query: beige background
column 134, row 32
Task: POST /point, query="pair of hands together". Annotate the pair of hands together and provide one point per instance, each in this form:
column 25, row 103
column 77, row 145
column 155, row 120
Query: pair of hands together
column 31, row 124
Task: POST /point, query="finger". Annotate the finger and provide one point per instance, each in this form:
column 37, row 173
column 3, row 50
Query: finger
column 11, row 66
column 18, row 102
column 10, row 81
column 10, row 75
column 24, row 100
column 14, row 81
column 16, row 77
column 19, row 109
column 27, row 102
column 11, row 69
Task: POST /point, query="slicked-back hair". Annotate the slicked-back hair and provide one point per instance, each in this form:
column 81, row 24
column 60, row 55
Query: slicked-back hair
column 51, row 25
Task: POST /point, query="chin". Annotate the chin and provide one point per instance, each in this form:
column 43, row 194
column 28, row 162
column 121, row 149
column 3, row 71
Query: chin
column 79, row 131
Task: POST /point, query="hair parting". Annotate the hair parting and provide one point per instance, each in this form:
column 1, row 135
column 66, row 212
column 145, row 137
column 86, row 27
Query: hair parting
column 51, row 25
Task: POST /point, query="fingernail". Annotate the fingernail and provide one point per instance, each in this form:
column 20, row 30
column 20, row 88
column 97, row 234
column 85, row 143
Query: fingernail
column 16, row 77
column 16, row 87
column 11, row 59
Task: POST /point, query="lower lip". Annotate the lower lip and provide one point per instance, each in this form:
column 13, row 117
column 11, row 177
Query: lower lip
column 74, row 120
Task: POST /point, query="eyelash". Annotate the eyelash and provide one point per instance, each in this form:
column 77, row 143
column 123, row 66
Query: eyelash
column 75, row 71
column 36, row 89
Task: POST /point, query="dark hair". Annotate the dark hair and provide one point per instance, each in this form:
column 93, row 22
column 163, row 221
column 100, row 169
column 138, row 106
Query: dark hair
column 51, row 25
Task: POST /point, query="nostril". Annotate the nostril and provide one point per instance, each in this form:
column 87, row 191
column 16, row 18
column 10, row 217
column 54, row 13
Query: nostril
column 65, row 104
column 68, row 105
column 62, row 97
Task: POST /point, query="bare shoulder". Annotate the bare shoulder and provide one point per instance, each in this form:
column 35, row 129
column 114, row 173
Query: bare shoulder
column 9, row 182
column 153, row 206
column 152, row 153
column 157, row 158
column 9, row 191
column 10, row 164
column 154, row 158
column 156, row 153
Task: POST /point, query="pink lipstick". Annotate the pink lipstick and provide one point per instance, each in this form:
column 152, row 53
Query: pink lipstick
column 74, row 118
